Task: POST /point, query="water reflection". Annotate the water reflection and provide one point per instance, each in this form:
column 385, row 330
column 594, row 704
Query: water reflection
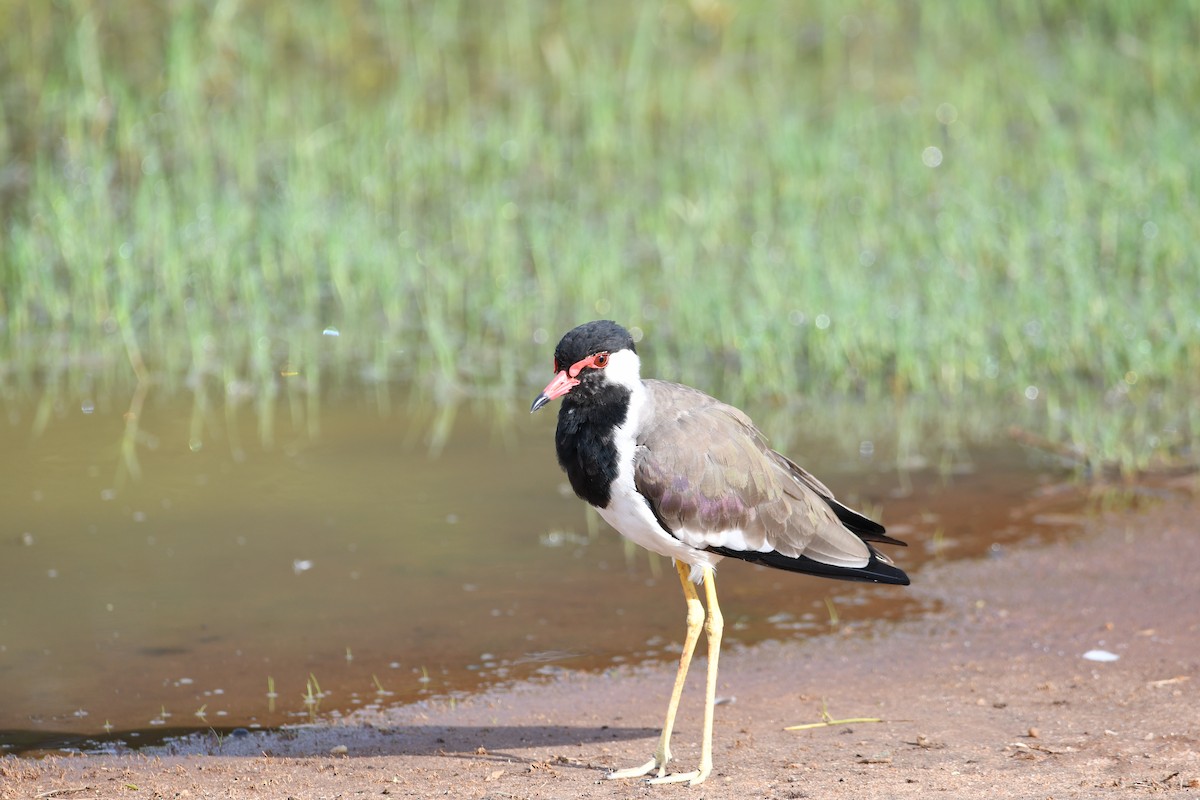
column 250, row 585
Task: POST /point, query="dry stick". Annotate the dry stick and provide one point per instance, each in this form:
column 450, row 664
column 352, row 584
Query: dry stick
column 1108, row 469
column 1066, row 452
column 828, row 721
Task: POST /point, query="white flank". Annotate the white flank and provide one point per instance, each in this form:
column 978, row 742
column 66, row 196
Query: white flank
column 732, row 538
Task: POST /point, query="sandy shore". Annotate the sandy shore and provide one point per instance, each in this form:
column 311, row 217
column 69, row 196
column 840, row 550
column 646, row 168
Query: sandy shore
column 989, row 695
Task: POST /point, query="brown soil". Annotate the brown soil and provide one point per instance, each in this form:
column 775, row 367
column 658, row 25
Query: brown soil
column 989, row 696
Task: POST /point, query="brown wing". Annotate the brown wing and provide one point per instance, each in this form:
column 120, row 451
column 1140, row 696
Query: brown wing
column 713, row 482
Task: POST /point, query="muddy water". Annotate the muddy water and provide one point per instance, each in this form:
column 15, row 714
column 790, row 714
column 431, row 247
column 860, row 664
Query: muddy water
column 262, row 586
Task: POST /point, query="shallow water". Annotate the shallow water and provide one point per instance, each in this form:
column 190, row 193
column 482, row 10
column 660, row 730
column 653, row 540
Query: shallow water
column 360, row 566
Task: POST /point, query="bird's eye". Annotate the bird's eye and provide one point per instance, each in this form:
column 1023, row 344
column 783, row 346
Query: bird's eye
column 600, row 361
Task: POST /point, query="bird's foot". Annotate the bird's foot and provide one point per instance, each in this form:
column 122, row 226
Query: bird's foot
column 637, row 772
column 694, row 777
column 691, row 778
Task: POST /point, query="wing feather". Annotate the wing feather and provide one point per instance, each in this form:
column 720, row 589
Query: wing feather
column 734, row 492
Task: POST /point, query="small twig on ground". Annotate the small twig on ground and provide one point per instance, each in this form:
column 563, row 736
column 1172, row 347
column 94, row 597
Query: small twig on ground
column 827, row 721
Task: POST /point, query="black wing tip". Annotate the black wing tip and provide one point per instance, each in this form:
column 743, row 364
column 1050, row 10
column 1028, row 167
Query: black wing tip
column 865, row 528
column 881, row 539
column 876, row 570
column 886, row 573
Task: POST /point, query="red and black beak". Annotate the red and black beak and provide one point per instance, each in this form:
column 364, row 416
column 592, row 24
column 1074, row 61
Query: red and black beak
column 561, row 384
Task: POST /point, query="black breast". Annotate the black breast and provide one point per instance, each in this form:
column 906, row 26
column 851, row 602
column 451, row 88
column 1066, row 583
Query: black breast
column 584, row 441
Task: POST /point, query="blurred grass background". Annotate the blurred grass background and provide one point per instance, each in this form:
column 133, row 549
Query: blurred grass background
column 986, row 211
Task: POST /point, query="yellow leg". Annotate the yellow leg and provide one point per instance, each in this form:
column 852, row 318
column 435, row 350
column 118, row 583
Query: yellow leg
column 695, row 620
column 712, row 630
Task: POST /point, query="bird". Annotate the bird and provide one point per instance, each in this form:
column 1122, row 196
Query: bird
column 686, row 476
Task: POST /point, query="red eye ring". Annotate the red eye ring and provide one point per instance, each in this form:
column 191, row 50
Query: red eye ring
column 600, row 361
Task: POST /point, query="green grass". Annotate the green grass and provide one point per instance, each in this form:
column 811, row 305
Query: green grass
column 202, row 198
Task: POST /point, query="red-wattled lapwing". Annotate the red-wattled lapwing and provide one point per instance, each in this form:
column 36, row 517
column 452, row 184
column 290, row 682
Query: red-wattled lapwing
column 686, row 476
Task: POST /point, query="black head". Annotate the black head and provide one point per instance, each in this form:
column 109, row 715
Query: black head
column 582, row 356
column 601, row 336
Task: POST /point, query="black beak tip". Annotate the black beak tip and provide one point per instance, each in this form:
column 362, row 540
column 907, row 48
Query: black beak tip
column 538, row 402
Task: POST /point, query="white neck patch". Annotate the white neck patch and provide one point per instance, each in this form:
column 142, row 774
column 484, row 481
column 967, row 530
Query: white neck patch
column 624, row 369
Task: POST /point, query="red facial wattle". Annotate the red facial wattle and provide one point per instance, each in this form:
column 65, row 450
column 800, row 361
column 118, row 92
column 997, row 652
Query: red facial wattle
column 568, row 379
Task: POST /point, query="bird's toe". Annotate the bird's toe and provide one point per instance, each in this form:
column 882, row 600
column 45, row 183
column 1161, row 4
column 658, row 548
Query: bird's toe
column 636, row 772
column 692, row 778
